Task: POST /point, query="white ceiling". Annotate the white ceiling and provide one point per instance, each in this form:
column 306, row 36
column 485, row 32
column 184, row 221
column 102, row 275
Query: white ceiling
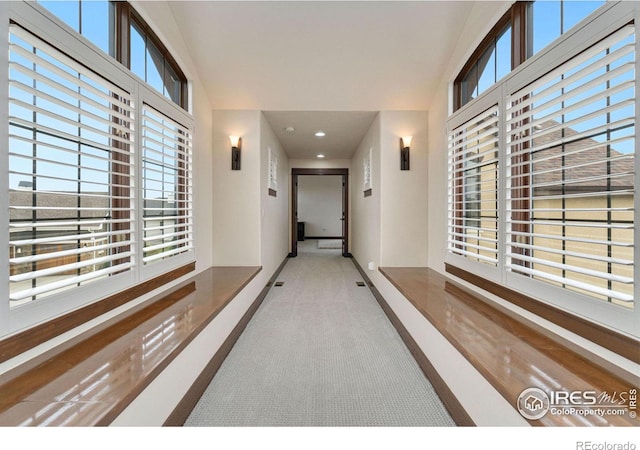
column 326, row 57
column 344, row 131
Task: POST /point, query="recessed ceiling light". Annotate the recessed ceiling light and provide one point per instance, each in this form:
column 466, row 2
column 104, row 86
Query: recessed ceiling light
column 289, row 129
column 320, row 155
column 320, row 134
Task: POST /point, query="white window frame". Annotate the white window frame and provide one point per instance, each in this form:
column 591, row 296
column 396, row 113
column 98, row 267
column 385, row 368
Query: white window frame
column 40, row 22
column 596, row 27
column 147, row 95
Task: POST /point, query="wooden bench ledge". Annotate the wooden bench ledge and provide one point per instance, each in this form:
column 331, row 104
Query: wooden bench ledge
column 510, row 354
column 91, row 379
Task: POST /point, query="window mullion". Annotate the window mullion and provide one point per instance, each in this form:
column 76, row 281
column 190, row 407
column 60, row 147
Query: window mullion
column 138, row 182
column 4, row 175
column 501, row 207
column 636, row 197
column 121, row 39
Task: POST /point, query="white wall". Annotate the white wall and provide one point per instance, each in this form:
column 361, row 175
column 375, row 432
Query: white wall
column 203, row 181
column 390, row 226
column 274, row 212
column 365, row 211
column 320, row 163
column 320, row 204
column 236, row 193
column 250, row 227
column 437, row 182
column 403, row 201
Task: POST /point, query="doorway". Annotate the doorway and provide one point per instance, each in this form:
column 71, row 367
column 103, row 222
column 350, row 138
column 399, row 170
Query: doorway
column 295, row 173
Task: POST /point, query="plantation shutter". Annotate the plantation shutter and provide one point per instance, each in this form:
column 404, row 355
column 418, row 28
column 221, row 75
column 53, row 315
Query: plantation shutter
column 571, row 173
column 473, row 188
column 167, row 189
column 70, row 169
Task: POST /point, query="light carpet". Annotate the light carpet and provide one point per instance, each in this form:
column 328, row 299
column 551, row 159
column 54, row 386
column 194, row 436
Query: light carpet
column 319, row 352
column 329, row 243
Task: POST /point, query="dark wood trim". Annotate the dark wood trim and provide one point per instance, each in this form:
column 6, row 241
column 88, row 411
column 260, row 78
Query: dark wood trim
column 319, row 171
column 32, row 337
column 138, row 21
column 449, row 400
column 181, row 412
column 520, row 31
column 516, row 16
column 136, row 18
column 605, row 337
column 122, row 35
column 294, row 216
column 345, row 214
column 488, row 40
column 295, row 172
column 368, row 192
column 273, row 193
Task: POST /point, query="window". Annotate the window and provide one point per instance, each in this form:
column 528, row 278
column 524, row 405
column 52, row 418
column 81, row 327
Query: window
column 473, row 175
column 151, row 64
column 548, row 20
column 69, row 137
column 115, row 28
column 571, row 155
column 493, row 64
column 542, row 175
column 166, row 168
column 524, row 30
column 94, row 19
column 98, row 175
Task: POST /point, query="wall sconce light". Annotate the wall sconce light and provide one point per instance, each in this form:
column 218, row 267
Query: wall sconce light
column 236, row 146
column 405, row 143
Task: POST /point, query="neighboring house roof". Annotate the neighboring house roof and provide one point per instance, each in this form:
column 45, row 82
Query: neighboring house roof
column 590, row 165
column 57, row 200
column 99, row 202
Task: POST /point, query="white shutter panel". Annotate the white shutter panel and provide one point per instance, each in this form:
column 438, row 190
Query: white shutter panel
column 571, row 173
column 70, row 138
column 167, row 188
column 473, row 188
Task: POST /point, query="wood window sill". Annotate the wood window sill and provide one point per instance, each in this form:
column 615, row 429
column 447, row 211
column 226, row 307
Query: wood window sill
column 511, row 354
column 91, row 379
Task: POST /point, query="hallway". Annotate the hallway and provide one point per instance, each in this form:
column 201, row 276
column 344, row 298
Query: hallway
column 319, row 352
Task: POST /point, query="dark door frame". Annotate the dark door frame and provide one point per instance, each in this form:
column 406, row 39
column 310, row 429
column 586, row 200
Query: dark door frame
column 345, row 205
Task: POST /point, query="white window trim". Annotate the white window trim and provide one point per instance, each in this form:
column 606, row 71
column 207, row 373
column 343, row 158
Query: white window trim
column 35, row 19
column 147, row 95
column 597, row 26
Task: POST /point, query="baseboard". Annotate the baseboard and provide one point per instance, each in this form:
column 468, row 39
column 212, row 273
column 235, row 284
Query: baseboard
column 448, row 398
column 181, row 412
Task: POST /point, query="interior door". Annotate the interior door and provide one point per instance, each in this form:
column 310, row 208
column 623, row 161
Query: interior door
column 345, row 222
column 295, row 172
column 294, row 215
